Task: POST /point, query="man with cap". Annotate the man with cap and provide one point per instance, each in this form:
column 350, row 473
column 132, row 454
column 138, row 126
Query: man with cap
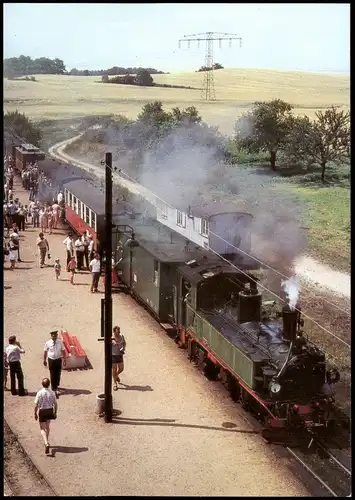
column 54, row 352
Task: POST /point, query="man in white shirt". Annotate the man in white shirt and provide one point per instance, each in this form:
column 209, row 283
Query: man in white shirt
column 80, row 249
column 45, row 410
column 95, row 267
column 60, row 198
column 69, row 243
column 54, row 351
column 86, row 241
column 13, row 356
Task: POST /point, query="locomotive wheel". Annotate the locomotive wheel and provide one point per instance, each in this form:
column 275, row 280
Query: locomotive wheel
column 233, row 387
column 200, row 359
column 243, row 399
column 211, row 370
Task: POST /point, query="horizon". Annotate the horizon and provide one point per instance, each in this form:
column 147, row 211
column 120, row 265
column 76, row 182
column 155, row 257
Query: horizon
column 271, row 37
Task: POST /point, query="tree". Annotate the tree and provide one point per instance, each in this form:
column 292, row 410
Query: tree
column 326, row 139
column 144, row 78
column 23, row 127
column 217, row 66
column 265, row 128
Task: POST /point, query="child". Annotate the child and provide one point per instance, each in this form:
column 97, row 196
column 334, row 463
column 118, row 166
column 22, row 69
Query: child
column 57, row 268
column 71, row 269
column 6, row 370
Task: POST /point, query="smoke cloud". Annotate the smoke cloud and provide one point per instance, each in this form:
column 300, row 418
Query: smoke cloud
column 186, row 169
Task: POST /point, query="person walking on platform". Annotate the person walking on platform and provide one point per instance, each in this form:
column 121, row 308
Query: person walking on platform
column 13, row 356
column 54, row 351
column 118, row 351
column 95, row 267
column 80, row 250
column 86, row 241
column 45, row 410
column 69, row 244
column 43, row 246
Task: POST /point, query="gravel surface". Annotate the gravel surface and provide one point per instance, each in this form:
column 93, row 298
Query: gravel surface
column 173, row 435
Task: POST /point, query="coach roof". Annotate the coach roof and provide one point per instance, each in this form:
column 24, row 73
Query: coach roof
column 88, row 193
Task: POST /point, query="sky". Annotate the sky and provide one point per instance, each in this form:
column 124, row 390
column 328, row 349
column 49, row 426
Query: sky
column 304, row 37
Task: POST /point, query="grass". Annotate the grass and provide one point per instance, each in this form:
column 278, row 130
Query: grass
column 327, row 215
column 70, row 97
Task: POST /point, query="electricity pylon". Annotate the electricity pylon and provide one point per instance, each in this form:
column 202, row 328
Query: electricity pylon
column 208, row 92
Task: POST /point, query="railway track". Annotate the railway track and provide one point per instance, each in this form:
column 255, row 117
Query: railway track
column 329, row 471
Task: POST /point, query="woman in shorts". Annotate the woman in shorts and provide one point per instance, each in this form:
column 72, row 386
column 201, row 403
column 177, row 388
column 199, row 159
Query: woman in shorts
column 45, row 410
column 118, row 351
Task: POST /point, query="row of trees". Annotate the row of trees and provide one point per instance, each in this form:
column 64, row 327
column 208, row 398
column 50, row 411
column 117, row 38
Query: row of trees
column 207, row 68
column 23, row 127
column 271, row 127
column 143, row 78
column 14, row 67
column 115, row 70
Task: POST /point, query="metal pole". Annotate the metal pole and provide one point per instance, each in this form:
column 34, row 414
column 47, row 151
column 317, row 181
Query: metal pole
column 108, row 289
column 103, row 319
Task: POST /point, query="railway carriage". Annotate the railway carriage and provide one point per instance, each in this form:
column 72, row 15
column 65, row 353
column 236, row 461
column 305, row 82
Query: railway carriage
column 27, row 153
column 267, row 363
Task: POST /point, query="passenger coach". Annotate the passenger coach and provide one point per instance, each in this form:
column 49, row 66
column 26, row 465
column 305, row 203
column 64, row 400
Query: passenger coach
column 85, row 209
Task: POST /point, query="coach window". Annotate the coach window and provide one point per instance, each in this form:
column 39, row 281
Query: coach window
column 204, row 227
column 156, row 273
column 87, row 216
column 66, row 196
column 180, row 219
column 82, row 213
column 75, row 204
column 163, row 209
column 70, row 200
column 79, row 208
column 93, row 220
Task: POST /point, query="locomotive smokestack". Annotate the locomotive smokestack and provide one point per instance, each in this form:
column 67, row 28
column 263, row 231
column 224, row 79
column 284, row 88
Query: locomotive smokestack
column 290, row 318
column 249, row 305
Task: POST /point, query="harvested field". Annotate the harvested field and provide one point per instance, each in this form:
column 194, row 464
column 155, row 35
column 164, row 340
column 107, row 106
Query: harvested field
column 61, row 97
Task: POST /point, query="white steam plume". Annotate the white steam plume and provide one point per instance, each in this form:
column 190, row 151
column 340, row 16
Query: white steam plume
column 292, row 288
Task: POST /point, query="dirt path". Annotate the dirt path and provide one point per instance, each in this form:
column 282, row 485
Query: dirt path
column 306, row 267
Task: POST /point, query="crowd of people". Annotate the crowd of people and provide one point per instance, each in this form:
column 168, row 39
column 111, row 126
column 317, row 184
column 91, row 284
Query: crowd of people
column 80, row 254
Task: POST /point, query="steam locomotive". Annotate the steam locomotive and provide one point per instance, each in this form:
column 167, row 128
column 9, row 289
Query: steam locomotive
column 213, row 309
column 215, row 312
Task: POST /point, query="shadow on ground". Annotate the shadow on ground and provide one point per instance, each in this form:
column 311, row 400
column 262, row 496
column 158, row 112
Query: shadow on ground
column 67, row 449
column 172, row 423
column 142, row 388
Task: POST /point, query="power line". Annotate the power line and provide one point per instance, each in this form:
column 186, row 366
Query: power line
column 262, row 286
column 265, row 288
column 208, row 92
column 275, row 270
column 238, row 249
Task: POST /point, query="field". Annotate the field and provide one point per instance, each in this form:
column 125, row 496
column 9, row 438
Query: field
column 68, row 97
